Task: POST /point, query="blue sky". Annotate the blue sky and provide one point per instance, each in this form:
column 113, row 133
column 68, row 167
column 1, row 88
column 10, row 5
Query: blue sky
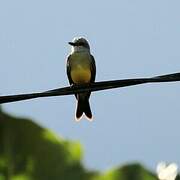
column 128, row 39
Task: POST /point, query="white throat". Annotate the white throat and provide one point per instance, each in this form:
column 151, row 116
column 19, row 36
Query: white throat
column 79, row 49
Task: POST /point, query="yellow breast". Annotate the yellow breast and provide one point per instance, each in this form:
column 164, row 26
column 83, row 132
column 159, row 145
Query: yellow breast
column 80, row 68
column 81, row 75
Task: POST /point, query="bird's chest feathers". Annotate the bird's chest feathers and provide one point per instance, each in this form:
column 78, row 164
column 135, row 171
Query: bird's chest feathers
column 80, row 68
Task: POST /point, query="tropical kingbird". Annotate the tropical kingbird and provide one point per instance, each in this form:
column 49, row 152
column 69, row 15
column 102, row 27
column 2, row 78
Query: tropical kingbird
column 81, row 69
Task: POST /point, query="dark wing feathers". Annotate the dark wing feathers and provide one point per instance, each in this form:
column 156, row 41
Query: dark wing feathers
column 93, row 69
column 68, row 70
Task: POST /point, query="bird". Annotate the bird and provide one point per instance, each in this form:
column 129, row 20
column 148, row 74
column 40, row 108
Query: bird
column 81, row 69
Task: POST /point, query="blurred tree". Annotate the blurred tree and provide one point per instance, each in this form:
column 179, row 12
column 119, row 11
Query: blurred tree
column 30, row 152
column 128, row 172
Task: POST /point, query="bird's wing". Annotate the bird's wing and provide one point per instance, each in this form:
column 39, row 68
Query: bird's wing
column 68, row 70
column 93, row 69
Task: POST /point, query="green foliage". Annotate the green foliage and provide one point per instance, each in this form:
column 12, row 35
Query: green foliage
column 128, row 172
column 30, row 152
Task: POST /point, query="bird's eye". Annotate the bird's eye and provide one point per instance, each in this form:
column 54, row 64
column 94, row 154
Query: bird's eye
column 81, row 44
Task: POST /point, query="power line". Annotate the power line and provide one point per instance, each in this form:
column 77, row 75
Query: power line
column 97, row 86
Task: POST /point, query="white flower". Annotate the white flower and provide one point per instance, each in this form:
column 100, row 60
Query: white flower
column 167, row 172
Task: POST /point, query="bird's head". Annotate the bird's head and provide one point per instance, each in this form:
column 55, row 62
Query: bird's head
column 79, row 44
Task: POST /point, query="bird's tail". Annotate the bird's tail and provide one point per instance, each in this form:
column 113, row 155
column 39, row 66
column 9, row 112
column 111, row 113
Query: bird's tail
column 83, row 106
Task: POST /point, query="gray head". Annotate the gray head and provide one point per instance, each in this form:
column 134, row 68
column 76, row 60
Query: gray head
column 80, row 44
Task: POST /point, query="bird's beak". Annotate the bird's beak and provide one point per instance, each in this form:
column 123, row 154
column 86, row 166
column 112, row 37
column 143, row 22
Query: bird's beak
column 71, row 43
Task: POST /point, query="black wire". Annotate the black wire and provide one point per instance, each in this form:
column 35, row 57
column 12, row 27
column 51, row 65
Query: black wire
column 97, row 86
